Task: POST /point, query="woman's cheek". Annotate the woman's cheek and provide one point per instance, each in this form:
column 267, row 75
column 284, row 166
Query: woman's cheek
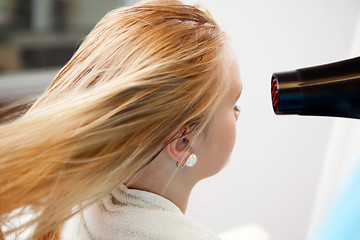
column 228, row 135
column 232, row 134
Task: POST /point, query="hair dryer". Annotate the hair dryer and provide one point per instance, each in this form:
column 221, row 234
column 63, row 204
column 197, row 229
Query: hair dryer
column 325, row 90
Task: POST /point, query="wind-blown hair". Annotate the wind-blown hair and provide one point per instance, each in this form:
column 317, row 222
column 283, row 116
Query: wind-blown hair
column 141, row 73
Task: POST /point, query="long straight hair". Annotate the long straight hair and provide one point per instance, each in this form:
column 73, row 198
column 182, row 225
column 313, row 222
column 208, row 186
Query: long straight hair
column 142, row 72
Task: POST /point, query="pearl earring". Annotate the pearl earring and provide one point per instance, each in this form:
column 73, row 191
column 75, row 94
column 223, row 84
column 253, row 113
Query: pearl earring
column 191, row 160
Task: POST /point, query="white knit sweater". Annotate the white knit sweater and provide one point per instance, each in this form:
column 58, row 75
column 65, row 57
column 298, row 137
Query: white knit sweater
column 129, row 214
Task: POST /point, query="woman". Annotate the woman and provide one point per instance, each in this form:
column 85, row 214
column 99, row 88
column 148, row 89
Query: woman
column 144, row 110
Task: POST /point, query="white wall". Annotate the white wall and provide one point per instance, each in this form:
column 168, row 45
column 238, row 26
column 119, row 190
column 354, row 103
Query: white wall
column 341, row 158
column 277, row 161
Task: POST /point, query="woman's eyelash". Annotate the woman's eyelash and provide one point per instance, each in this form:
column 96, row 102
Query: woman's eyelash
column 237, row 108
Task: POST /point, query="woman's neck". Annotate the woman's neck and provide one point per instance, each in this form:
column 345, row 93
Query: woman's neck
column 163, row 178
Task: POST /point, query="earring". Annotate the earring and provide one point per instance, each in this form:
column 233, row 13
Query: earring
column 191, row 160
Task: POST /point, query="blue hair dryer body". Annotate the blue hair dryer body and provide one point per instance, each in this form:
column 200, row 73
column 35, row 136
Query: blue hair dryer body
column 325, row 90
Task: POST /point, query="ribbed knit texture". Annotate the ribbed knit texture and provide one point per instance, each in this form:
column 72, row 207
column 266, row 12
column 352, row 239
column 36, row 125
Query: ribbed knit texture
column 129, row 214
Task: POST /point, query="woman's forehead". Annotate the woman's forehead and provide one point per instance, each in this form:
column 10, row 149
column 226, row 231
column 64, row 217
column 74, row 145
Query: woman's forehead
column 232, row 71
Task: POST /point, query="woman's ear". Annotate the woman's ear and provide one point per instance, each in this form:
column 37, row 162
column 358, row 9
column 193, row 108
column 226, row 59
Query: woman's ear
column 178, row 149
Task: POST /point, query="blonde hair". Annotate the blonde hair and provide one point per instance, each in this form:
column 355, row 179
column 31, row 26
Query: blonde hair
column 141, row 73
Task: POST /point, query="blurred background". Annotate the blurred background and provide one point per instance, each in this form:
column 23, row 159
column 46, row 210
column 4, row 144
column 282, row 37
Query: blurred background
column 285, row 170
column 37, row 37
column 45, row 33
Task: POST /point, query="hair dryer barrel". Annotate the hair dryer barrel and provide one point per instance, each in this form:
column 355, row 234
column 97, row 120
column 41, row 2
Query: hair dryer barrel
column 326, row 90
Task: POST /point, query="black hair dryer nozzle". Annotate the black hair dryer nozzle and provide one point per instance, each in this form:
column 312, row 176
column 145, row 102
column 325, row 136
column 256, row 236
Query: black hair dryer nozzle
column 326, row 90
